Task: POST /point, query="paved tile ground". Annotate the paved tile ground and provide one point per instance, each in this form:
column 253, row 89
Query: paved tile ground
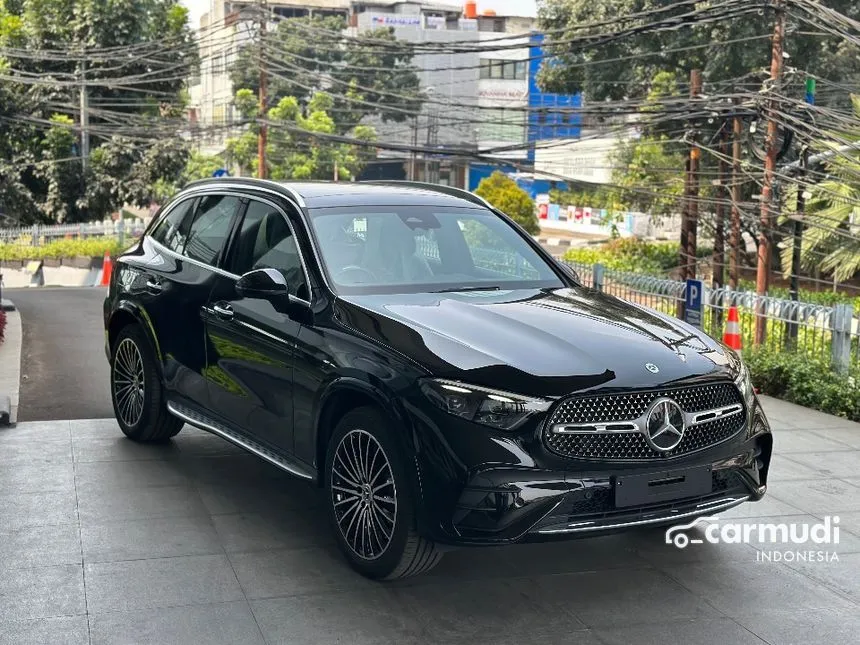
column 105, row 541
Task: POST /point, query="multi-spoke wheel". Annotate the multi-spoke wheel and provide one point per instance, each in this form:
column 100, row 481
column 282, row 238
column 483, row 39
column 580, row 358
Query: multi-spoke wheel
column 128, row 382
column 363, row 494
column 136, row 390
column 371, row 506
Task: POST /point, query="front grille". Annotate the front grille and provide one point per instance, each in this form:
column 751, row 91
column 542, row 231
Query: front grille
column 627, row 446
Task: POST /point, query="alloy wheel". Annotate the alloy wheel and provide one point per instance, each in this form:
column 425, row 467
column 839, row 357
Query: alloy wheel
column 363, row 494
column 128, row 382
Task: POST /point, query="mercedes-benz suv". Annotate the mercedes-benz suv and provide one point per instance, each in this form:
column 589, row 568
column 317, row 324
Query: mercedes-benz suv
column 416, row 353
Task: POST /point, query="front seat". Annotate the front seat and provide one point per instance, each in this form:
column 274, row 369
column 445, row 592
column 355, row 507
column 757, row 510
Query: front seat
column 391, row 254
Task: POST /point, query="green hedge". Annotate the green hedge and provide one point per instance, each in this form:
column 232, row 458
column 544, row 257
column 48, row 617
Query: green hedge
column 805, row 380
column 632, row 254
column 91, row 247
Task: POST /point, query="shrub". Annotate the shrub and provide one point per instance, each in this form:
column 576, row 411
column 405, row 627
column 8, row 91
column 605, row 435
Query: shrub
column 66, row 248
column 503, row 193
column 631, row 254
column 807, row 381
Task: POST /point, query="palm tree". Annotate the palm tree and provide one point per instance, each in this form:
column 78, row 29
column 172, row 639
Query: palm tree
column 831, row 241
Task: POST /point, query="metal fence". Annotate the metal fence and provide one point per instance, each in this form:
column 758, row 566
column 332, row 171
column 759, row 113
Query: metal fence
column 820, row 331
column 39, row 235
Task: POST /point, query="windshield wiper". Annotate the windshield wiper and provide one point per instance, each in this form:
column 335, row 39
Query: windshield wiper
column 455, row 289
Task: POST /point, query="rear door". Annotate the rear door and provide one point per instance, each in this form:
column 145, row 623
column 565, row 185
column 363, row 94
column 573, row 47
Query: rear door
column 182, row 254
column 250, row 345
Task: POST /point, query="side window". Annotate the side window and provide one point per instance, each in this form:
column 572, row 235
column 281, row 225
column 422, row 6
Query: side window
column 172, row 231
column 265, row 241
column 211, row 227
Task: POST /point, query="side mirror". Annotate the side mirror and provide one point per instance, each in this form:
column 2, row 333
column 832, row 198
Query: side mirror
column 265, row 284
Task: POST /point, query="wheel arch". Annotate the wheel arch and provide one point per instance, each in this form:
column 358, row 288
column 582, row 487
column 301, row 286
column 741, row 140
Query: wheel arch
column 128, row 313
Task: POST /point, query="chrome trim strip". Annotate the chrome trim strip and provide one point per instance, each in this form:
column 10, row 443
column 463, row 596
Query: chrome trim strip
column 263, row 332
column 691, row 419
column 214, row 430
column 185, row 258
column 722, row 505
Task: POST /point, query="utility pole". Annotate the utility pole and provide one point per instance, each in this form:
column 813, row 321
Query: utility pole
column 262, row 137
column 764, row 244
column 85, row 118
column 413, row 153
column 690, row 213
column 735, row 236
column 719, row 259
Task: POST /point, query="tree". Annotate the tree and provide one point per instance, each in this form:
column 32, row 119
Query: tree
column 502, row 192
column 362, row 75
column 624, row 66
column 303, row 143
column 136, row 56
column 831, row 240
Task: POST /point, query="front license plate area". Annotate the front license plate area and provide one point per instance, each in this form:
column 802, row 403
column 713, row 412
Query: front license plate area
column 664, row 486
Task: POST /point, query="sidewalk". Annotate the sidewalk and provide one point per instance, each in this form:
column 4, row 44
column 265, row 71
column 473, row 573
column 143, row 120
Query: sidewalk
column 106, row 541
column 10, row 366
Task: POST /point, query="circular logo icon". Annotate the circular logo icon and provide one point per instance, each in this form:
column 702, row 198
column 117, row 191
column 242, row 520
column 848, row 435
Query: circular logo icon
column 664, row 425
column 652, row 368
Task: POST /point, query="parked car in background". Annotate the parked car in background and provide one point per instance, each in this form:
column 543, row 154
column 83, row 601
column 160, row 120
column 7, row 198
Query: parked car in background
column 417, row 354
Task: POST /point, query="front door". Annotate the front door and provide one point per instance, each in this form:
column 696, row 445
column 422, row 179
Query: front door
column 250, row 346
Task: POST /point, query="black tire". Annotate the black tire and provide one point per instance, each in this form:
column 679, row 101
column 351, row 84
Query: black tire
column 405, row 553
column 141, row 418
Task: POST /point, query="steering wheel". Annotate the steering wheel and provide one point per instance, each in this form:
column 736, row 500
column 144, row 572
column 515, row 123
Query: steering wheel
column 354, row 268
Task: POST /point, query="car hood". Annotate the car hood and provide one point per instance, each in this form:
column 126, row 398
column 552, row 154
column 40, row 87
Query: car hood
column 537, row 342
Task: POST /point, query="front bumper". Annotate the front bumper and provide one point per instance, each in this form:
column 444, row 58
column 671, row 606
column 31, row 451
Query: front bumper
column 539, row 500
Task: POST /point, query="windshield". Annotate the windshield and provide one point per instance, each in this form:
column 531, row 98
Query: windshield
column 419, row 249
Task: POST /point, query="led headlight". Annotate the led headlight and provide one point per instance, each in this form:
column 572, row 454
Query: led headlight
column 502, row 410
column 743, row 381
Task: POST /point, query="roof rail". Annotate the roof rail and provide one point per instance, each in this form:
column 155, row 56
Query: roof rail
column 284, row 189
column 437, row 188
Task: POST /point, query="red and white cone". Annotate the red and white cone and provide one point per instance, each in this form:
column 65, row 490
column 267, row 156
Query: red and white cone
column 732, row 336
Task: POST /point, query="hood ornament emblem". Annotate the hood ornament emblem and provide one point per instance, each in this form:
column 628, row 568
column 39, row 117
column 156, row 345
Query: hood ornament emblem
column 652, row 368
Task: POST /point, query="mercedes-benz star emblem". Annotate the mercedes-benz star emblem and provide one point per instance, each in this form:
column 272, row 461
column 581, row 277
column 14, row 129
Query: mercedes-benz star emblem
column 652, row 368
column 664, row 425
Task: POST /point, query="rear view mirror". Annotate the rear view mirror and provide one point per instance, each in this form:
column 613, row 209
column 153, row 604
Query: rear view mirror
column 265, row 284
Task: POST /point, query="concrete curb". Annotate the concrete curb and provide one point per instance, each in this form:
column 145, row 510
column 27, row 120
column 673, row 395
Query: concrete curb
column 10, row 373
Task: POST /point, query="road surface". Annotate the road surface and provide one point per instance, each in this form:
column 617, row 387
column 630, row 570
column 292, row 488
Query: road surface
column 64, row 373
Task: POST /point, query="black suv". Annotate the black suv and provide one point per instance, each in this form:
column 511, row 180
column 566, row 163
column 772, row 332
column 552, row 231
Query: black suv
column 415, row 352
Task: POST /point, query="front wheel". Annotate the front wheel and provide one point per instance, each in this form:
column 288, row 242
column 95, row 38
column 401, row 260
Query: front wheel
column 370, row 505
column 136, row 392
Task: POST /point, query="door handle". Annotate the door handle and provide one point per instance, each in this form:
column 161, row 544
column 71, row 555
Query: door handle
column 154, row 286
column 223, row 311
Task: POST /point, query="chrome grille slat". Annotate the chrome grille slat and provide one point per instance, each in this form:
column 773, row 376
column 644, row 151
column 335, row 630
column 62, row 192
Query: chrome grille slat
column 600, row 411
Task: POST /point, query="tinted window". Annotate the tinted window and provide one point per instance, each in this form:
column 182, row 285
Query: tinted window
column 172, row 230
column 210, row 227
column 265, row 241
column 423, row 249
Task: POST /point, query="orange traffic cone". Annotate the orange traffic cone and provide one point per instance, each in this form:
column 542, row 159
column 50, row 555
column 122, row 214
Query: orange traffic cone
column 107, row 270
column 732, row 337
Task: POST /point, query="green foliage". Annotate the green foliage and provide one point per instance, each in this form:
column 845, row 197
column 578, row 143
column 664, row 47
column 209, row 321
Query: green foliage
column 831, row 241
column 41, row 178
column 805, row 380
column 303, row 143
column 310, row 55
column 502, row 192
column 632, row 254
column 92, row 247
column 624, row 67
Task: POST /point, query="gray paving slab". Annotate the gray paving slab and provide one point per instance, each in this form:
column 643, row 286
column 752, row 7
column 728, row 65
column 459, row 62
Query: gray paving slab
column 227, row 623
column 163, row 582
column 64, row 630
column 195, row 542
column 42, row 592
column 149, row 538
column 39, row 546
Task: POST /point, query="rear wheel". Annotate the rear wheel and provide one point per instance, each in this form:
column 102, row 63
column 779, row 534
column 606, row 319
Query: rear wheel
column 369, row 502
column 136, row 391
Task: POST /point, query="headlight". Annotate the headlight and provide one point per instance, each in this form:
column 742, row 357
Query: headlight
column 744, row 382
column 502, row 410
